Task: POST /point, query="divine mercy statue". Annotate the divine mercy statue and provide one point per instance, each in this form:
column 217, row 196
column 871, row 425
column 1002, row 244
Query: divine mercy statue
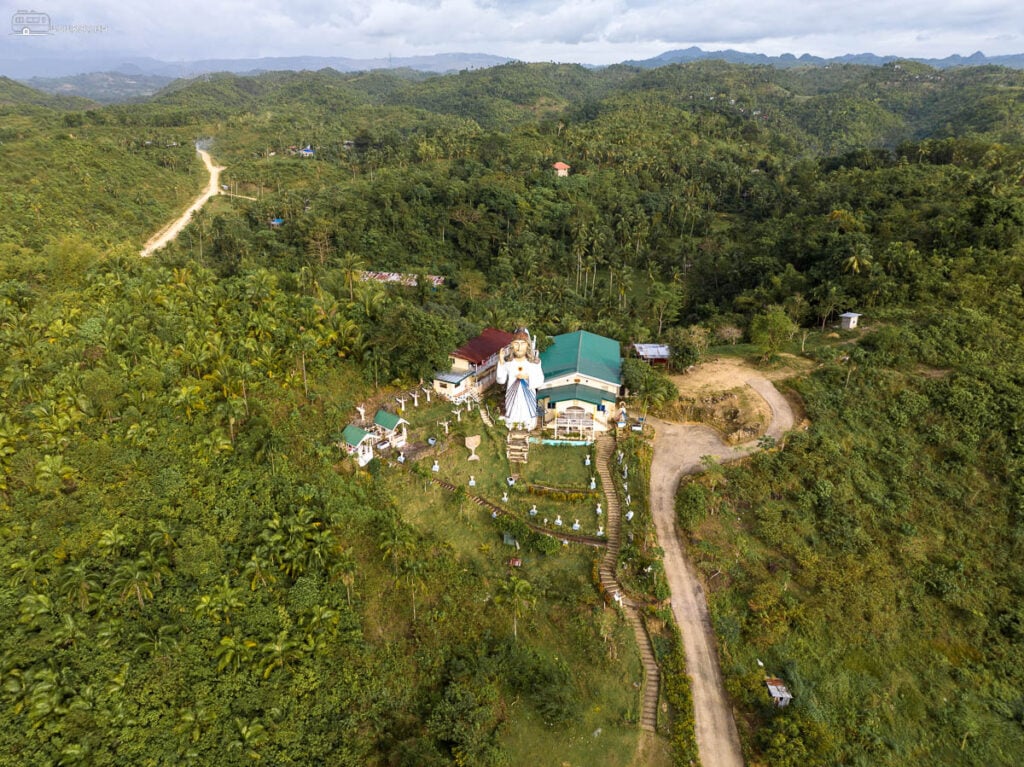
column 522, row 374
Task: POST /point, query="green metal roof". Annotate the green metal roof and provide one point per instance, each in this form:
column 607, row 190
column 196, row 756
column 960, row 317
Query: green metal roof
column 353, row 435
column 580, row 392
column 586, row 353
column 387, row 420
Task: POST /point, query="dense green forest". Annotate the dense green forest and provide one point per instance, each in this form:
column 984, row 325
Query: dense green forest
column 193, row 575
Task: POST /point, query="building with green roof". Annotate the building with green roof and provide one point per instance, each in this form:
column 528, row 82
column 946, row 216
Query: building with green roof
column 391, row 427
column 582, row 380
column 358, row 443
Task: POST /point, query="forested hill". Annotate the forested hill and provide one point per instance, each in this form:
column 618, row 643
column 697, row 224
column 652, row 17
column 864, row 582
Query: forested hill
column 839, row 106
column 192, row 574
column 13, row 94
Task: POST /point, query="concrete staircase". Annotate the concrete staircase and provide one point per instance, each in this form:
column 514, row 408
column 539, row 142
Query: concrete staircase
column 610, row 586
column 518, row 447
column 486, row 417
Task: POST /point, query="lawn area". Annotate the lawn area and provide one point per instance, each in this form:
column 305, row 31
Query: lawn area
column 569, row 624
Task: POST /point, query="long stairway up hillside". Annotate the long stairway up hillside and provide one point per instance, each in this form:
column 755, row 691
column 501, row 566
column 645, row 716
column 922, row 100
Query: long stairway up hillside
column 649, row 707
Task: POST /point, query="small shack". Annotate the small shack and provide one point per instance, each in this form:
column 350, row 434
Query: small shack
column 848, row 320
column 358, row 443
column 781, row 695
column 561, row 169
column 275, row 223
column 656, row 355
column 391, row 429
column 307, row 151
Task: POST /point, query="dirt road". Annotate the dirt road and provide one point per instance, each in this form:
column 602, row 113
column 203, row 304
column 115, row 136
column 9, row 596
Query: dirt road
column 678, row 449
column 174, row 228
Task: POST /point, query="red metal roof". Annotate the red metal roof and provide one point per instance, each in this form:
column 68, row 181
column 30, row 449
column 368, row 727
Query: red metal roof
column 561, row 166
column 477, row 350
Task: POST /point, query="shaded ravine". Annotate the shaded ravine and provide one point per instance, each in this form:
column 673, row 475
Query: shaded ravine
column 678, row 449
column 174, row 228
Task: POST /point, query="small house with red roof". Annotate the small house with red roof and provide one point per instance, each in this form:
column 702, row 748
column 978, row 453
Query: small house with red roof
column 472, row 366
column 561, row 169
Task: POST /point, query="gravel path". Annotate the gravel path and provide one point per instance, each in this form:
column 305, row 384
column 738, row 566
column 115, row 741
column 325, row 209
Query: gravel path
column 678, row 449
column 174, row 228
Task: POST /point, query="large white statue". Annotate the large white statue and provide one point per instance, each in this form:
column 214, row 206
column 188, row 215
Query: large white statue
column 522, row 374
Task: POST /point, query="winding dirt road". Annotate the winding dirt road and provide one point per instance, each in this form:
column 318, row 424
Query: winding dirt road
column 678, row 449
column 174, row 228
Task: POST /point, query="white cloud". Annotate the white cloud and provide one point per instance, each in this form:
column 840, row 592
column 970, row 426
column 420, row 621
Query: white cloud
column 593, row 31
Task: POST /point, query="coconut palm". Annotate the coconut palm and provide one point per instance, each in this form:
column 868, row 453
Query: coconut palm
column 518, row 594
column 234, row 651
column 280, row 652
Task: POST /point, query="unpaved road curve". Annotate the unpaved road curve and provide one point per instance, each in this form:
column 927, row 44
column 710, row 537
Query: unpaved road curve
column 174, row 228
column 677, row 451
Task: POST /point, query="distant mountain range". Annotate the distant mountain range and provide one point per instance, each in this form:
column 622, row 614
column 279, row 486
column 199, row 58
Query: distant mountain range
column 119, row 78
column 787, row 60
column 23, row 69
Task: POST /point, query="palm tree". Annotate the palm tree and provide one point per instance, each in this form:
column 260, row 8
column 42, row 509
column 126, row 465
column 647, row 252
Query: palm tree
column 345, row 566
column 414, row 571
column 68, row 633
column 351, row 265
column 34, row 608
column 29, row 570
column 220, row 602
column 191, row 720
column 258, row 571
column 395, row 543
column 248, row 734
column 279, row 652
column 77, row 586
column 53, row 474
column 518, row 594
column 233, row 651
column 159, row 641
column 859, row 259
column 112, row 542
column 137, row 579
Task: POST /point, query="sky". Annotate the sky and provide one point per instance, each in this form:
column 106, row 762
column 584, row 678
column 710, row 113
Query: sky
column 583, row 31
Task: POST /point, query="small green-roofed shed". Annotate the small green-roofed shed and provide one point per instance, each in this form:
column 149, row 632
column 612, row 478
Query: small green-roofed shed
column 388, row 421
column 392, row 428
column 353, row 436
